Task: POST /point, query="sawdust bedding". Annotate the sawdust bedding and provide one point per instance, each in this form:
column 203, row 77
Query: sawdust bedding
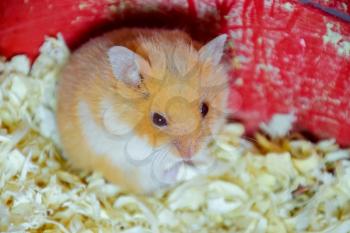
column 284, row 185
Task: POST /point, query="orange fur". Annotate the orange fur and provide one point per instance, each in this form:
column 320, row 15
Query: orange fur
column 176, row 85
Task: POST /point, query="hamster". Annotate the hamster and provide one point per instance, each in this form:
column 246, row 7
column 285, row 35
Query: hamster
column 136, row 104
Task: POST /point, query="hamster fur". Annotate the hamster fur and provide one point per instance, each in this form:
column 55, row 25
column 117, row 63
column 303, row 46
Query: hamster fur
column 134, row 103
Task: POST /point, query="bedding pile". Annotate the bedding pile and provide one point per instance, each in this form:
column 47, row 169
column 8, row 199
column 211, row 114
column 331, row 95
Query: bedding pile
column 279, row 185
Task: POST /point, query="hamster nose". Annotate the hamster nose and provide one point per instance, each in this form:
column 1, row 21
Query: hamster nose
column 185, row 150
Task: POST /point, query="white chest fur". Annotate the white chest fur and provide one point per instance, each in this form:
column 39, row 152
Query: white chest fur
column 126, row 151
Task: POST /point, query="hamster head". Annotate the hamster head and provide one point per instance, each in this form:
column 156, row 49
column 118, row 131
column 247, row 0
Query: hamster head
column 173, row 94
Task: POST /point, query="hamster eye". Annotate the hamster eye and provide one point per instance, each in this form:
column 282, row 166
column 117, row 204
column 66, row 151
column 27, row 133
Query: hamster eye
column 204, row 109
column 159, row 120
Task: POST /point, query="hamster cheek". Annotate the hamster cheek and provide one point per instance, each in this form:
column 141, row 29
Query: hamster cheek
column 112, row 113
column 138, row 150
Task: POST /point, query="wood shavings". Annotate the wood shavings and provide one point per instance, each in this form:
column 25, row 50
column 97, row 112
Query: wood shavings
column 341, row 44
column 281, row 185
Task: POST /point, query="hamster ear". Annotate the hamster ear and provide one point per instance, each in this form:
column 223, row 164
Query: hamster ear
column 125, row 65
column 213, row 50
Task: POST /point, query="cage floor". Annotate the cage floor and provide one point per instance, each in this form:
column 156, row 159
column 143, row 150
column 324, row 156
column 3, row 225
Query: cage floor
column 284, row 185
